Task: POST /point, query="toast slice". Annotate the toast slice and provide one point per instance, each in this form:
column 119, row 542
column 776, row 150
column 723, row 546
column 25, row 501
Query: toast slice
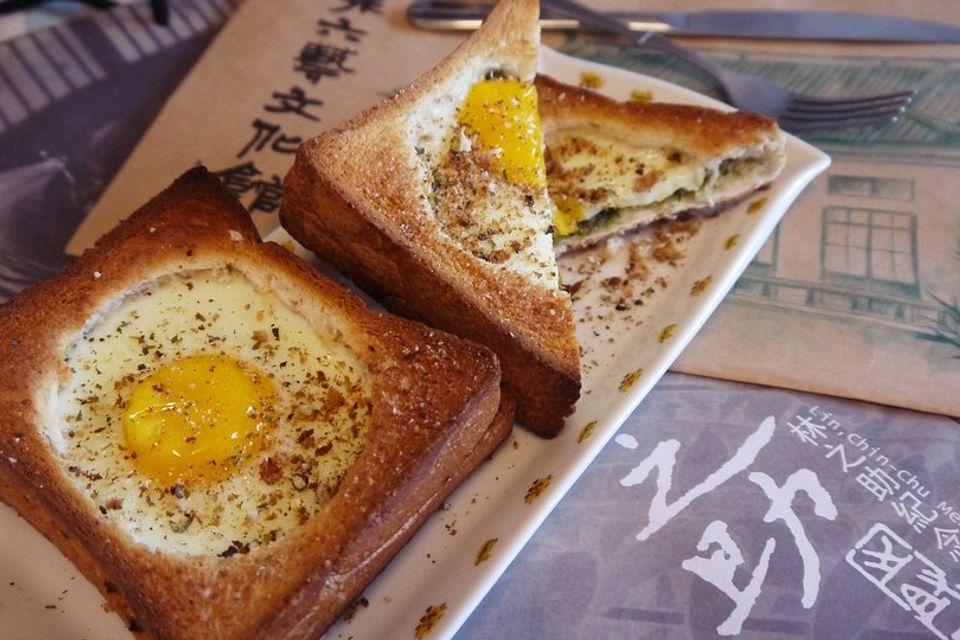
column 615, row 166
column 435, row 202
column 227, row 444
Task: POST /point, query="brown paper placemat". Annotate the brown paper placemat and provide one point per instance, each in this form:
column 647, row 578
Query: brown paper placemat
column 277, row 74
column 856, row 293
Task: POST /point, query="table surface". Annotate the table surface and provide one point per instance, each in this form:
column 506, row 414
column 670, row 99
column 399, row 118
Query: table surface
column 789, row 513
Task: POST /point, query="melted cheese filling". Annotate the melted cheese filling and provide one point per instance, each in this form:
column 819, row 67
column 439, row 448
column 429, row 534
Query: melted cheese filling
column 213, row 349
column 590, row 173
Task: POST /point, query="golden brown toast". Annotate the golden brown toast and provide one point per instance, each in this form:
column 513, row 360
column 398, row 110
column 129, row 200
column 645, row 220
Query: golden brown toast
column 409, row 206
column 364, row 423
column 615, row 166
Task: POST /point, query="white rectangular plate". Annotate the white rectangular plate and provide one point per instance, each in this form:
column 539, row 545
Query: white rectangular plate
column 626, row 350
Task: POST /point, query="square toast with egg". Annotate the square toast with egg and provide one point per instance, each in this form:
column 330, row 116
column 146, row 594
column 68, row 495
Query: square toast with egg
column 613, row 167
column 225, row 442
column 435, row 202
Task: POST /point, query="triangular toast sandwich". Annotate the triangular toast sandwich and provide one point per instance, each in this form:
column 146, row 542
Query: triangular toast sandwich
column 613, row 167
column 435, row 202
column 227, row 444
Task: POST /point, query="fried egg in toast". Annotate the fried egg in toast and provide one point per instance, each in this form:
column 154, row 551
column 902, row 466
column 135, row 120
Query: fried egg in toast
column 435, row 202
column 226, row 443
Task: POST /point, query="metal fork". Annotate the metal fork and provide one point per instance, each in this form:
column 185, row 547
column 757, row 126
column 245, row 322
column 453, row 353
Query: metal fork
column 793, row 111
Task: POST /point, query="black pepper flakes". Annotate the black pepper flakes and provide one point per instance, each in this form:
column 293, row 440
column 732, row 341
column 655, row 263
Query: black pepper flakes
column 181, row 526
column 179, row 491
column 352, row 609
column 299, row 481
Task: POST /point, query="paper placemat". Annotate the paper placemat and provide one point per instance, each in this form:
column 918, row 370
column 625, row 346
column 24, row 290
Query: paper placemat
column 856, row 294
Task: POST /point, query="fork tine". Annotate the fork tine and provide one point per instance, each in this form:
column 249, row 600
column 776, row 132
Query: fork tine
column 845, row 112
column 827, row 116
column 814, row 102
column 754, row 93
column 808, row 107
column 868, row 108
column 849, row 112
column 799, row 124
column 824, row 111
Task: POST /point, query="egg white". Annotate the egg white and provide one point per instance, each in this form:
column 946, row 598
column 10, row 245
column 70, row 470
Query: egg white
column 323, row 412
column 611, row 167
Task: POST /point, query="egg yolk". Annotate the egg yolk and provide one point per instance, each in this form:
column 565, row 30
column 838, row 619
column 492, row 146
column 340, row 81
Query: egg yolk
column 567, row 213
column 505, row 116
column 195, row 420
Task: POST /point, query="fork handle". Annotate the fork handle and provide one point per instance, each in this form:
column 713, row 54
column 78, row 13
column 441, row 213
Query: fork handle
column 663, row 44
column 649, row 39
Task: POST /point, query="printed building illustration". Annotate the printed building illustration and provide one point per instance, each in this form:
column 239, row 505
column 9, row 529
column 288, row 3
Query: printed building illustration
column 869, row 260
column 882, row 257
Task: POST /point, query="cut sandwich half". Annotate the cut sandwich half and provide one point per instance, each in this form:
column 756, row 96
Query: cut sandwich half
column 227, row 444
column 435, row 201
column 616, row 166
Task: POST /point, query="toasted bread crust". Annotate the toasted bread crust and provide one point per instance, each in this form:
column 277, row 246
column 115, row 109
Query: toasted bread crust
column 354, row 196
column 539, row 368
column 352, row 572
column 436, row 411
column 707, row 132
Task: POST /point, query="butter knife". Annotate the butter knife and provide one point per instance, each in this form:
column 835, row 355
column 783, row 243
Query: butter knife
column 777, row 24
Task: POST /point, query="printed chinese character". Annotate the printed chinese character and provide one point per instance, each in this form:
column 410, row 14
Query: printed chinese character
column 880, row 555
column 243, row 178
column 664, row 459
column 295, row 101
column 878, row 482
column 342, row 25
column 908, row 578
column 318, row 61
column 364, row 6
column 240, row 179
column 929, row 596
column 719, row 568
column 268, row 195
column 908, row 508
column 841, row 450
column 781, row 508
column 807, row 430
column 267, row 133
column 948, row 540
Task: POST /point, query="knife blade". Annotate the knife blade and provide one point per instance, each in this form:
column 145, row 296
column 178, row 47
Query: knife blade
column 778, row 24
